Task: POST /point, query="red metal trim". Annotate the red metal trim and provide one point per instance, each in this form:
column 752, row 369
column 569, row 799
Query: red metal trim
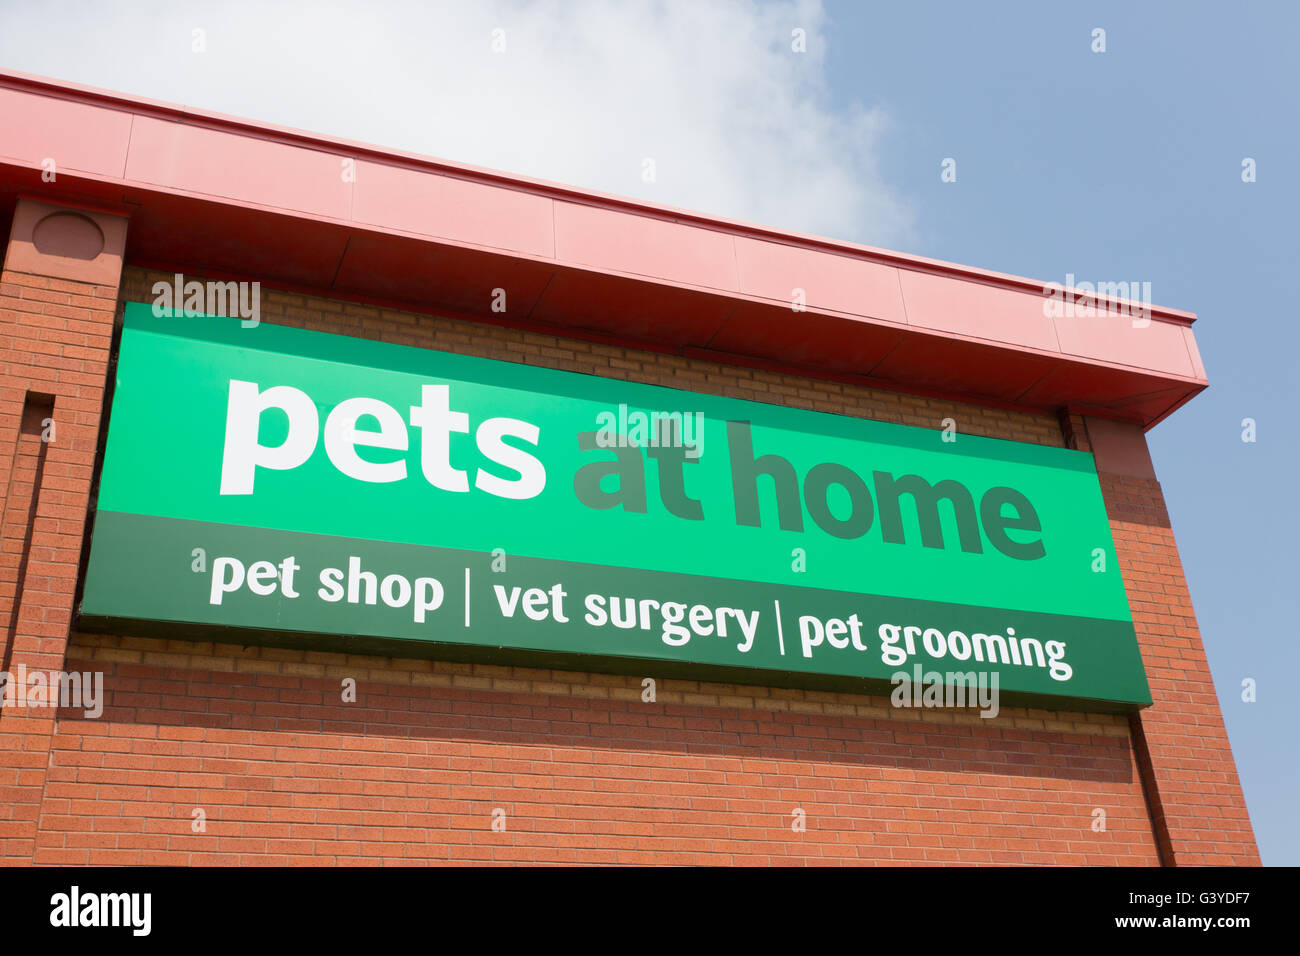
column 73, row 92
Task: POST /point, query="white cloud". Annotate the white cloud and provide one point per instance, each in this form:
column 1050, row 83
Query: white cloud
column 736, row 123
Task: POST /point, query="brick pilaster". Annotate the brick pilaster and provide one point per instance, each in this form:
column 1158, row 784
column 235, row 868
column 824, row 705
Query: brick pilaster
column 1194, row 795
column 58, row 293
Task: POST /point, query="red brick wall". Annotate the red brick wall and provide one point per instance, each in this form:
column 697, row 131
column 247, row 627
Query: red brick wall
column 1182, row 742
column 585, row 771
column 55, row 336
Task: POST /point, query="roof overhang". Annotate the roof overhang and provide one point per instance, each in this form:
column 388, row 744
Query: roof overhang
column 235, row 199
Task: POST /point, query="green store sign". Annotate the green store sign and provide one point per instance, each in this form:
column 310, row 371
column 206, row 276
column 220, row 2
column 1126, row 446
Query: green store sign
column 272, row 485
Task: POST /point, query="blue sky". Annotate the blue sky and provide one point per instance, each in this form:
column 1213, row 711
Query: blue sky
column 1115, row 166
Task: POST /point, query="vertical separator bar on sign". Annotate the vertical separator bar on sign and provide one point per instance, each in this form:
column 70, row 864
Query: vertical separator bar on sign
column 780, row 632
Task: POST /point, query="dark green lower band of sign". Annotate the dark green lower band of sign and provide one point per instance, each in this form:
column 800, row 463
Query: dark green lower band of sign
column 405, row 600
